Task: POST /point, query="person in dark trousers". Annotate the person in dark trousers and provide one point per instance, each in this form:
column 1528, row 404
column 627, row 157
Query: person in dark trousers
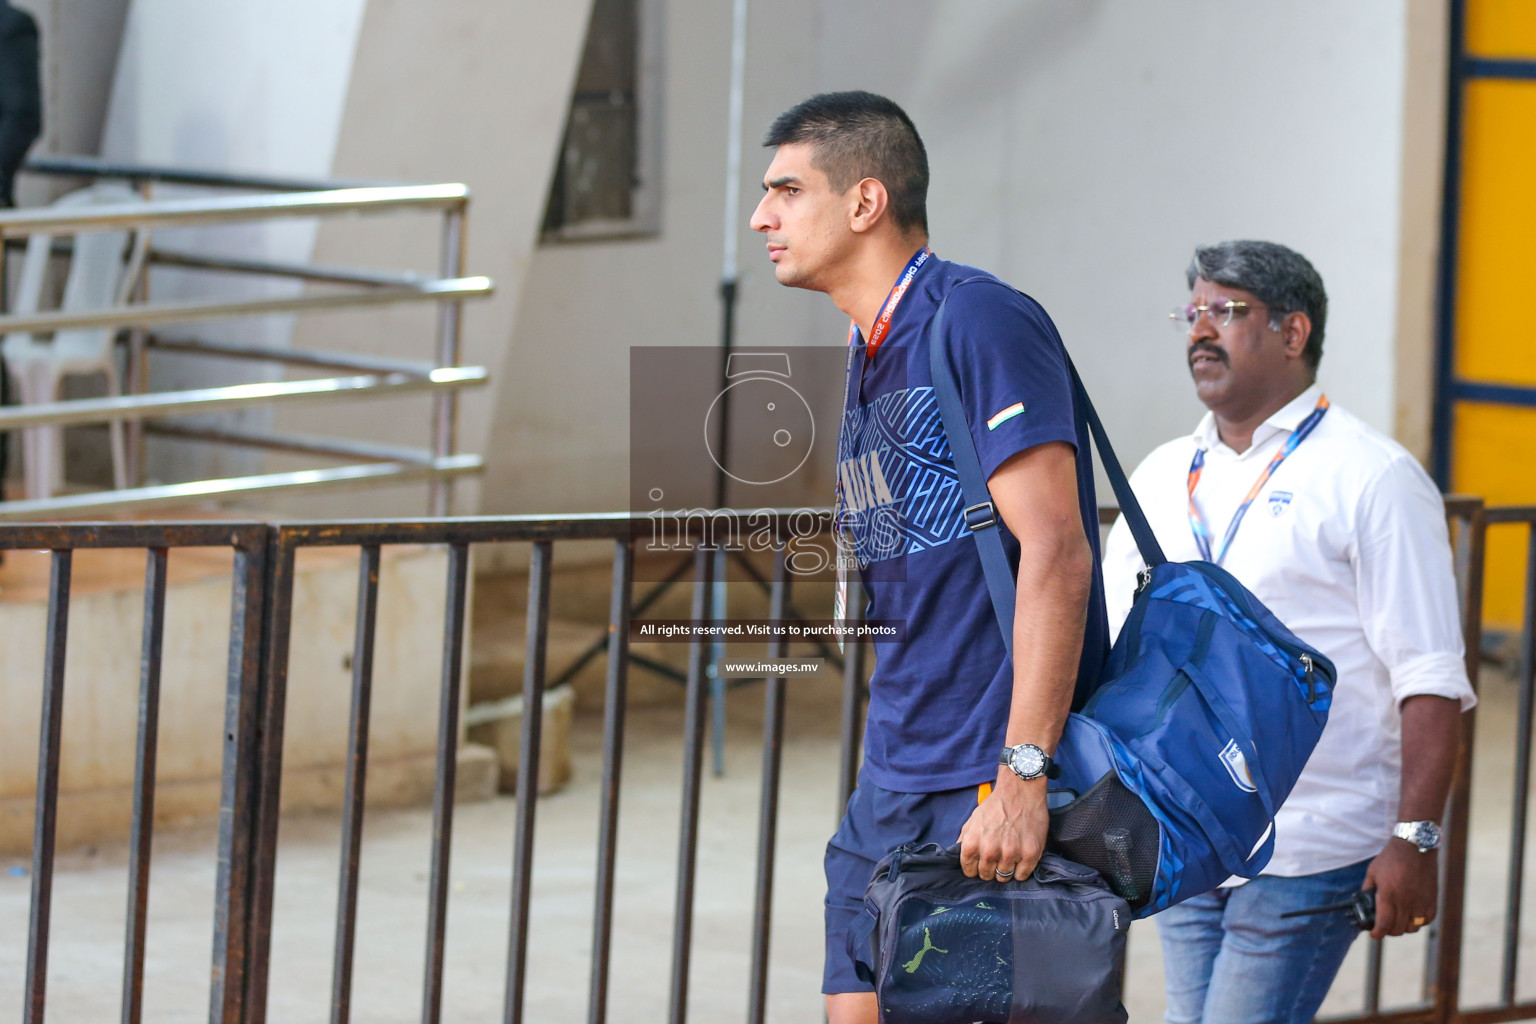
column 958, row 741
column 21, row 98
column 21, row 121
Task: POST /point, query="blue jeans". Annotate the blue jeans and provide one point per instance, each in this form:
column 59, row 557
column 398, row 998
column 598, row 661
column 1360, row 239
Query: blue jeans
column 1229, row 959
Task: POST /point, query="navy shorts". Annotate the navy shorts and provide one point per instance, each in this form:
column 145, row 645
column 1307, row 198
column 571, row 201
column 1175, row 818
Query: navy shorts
column 875, row 823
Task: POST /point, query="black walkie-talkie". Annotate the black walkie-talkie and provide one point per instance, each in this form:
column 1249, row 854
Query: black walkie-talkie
column 1361, row 906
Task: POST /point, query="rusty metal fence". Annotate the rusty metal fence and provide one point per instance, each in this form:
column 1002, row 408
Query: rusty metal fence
column 1441, row 976
column 250, row 543
column 257, row 687
column 1464, row 800
column 256, row 690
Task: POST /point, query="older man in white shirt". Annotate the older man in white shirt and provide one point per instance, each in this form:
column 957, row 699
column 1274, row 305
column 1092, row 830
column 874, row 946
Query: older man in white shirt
column 1338, row 530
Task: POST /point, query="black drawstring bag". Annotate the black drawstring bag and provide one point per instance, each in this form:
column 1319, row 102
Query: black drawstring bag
column 947, row 949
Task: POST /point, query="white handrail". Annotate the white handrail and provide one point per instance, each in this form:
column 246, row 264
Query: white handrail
column 439, row 375
column 224, row 209
column 150, row 314
column 170, row 495
column 168, row 403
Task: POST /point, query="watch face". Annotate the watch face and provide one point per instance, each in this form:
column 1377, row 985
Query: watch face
column 1423, row 834
column 1027, row 760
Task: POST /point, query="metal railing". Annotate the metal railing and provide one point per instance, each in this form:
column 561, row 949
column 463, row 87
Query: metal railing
column 250, row 544
column 441, row 376
column 253, row 754
column 541, row 534
column 1441, row 975
column 1508, row 1005
column 262, row 595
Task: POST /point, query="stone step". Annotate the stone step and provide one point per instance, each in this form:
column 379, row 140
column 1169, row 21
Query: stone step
column 499, row 726
column 497, row 664
column 579, row 592
column 579, row 598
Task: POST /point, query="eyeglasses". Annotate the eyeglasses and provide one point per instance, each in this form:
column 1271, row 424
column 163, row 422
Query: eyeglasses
column 1184, row 318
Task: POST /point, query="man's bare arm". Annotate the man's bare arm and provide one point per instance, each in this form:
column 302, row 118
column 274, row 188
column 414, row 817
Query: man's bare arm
column 1405, row 880
column 1036, row 495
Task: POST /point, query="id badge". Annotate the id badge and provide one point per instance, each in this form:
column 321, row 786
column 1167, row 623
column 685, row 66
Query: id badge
column 845, row 562
column 840, row 603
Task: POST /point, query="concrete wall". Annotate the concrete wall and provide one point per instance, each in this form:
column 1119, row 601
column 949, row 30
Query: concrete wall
column 1078, row 150
column 253, row 88
column 375, row 89
column 1132, row 132
column 474, row 91
column 1423, row 173
column 562, row 422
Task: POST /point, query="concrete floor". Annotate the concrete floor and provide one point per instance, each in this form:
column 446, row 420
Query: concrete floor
column 90, row 893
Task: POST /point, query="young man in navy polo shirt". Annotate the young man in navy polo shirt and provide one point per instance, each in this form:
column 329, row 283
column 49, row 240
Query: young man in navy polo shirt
column 844, row 212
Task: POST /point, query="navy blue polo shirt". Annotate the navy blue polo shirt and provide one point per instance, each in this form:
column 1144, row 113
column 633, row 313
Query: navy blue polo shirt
column 938, row 702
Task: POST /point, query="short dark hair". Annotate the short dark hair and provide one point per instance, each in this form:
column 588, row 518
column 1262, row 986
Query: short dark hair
column 1281, row 278
column 858, row 135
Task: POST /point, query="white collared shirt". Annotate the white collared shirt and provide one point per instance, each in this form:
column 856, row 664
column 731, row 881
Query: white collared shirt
column 1347, row 544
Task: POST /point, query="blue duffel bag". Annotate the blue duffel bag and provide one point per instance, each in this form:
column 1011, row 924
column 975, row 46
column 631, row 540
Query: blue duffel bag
column 1172, row 770
column 1048, row 946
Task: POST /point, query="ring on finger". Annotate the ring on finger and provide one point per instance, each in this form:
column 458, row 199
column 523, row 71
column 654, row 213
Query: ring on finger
column 1000, row 873
column 1419, row 922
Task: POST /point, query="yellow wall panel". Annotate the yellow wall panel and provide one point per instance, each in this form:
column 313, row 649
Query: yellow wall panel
column 1495, row 457
column 1496, row 269
column 1501, row 28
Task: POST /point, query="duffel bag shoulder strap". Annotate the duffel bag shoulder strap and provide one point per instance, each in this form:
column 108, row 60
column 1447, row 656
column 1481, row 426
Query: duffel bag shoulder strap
column 1141, row 531
column 981, row 514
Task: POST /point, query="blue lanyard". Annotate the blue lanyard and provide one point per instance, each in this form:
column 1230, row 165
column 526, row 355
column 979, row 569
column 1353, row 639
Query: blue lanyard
column 1197, row 524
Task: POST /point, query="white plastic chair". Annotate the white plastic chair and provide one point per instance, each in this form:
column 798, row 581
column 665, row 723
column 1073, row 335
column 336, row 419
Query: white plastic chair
column 99, row 277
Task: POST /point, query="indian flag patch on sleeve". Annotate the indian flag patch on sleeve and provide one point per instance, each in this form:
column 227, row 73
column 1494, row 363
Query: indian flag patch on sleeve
column 1017, row 408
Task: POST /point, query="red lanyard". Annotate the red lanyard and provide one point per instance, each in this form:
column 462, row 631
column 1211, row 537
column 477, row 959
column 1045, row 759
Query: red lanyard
column 877, row 333
column 882, row 325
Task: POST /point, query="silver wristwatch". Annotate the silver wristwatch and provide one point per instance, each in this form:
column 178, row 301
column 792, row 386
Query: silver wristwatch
column 1423, row 834
column 1029, row 762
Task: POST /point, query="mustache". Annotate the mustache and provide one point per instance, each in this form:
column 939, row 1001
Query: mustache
column 1206, row 348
